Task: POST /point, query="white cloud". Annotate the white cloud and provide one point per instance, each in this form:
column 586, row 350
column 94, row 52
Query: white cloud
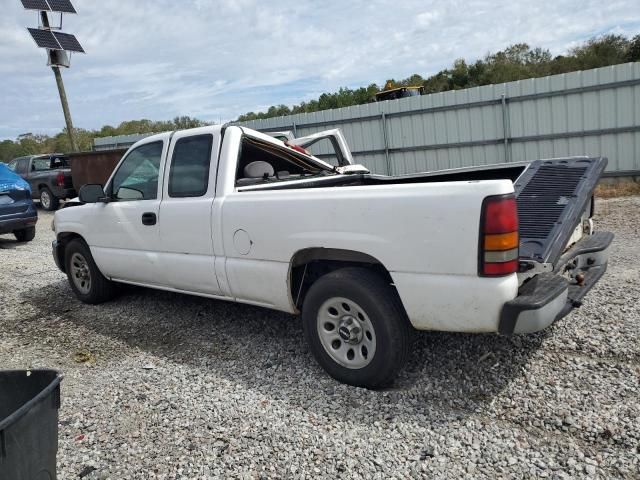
column 425, row 19
column 215, row 60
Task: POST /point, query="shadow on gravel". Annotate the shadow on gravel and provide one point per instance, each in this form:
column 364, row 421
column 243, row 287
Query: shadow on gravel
column 8, row 242
column 455, row 374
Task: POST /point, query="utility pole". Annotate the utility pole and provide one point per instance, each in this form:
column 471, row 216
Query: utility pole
column 61, row 91
column 59, row 46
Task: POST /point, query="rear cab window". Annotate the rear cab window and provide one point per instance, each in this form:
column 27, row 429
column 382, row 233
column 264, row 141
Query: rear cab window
column 326, row 150
column 263, row 162
column 59, row 162
column 41, row 164
column 49, row 163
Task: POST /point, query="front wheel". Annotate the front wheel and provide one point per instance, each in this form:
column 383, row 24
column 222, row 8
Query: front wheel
column 86, row 280
column 356, row 327
column 48, row 200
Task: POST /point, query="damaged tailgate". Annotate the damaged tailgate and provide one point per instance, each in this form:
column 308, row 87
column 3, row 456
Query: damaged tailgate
column 561, row 258
column 552, row 196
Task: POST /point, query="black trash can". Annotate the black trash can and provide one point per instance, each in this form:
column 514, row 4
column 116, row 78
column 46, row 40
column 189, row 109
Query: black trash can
column 29, row 403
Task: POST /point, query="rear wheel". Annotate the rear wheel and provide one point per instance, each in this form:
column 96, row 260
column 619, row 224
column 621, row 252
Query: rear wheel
column 356, row 327
column 86, row 280
column 25, row 234
column 48, row 200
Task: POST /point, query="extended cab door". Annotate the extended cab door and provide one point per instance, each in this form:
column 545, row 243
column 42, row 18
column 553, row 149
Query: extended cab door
column 124, row 233
column 186, row 230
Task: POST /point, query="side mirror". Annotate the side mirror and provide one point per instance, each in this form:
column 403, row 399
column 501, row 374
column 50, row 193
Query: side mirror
column 92, row 193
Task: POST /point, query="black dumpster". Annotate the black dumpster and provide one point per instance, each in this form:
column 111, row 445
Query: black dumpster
column 29, row 403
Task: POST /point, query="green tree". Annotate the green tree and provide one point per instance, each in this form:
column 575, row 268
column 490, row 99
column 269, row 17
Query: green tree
column 516, row 62
column 29, row 143
column 10, row 150
column 633, row 52
column 602, row 51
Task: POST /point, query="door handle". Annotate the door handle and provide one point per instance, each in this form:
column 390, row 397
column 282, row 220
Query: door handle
column 149, row 218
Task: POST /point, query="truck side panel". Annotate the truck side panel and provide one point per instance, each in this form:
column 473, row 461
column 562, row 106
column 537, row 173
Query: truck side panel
column 260, row 282
column 426, row 236
column 454, row 303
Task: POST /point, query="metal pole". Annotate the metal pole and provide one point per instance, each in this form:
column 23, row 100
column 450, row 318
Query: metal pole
column 386, row 143
column 65, row 108
column 295, row 130
column 63, row 94
column 505, row 128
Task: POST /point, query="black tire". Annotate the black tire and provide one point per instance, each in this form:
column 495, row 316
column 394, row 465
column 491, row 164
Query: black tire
column 25, row 234
column 381, row 304
column 48, row 201
column 99, row 289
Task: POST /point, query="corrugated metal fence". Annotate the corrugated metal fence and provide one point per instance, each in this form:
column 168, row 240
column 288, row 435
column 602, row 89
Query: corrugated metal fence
column 117, row 141
column 592, row 112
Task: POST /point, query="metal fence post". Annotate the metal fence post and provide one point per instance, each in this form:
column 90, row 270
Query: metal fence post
column 386, row 142
column 505, row 128
column 295, row 130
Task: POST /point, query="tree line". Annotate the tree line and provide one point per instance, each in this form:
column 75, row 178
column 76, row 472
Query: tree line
column 30, row 143
column 516, row 62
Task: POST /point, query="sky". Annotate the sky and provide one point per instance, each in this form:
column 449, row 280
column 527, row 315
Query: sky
column 217, row 59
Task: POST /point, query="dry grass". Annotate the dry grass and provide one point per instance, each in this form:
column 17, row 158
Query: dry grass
column 621, row 189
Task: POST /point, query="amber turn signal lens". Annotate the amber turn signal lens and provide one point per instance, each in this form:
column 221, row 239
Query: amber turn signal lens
column 501, row 241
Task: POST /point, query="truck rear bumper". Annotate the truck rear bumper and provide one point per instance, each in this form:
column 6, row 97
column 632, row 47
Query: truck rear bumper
column 64, row 193
column 550, row 296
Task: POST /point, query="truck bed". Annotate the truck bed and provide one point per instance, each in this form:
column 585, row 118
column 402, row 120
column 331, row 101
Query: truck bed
column 552, row 195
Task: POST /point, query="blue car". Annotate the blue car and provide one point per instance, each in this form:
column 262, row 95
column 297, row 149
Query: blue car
column 18, row 214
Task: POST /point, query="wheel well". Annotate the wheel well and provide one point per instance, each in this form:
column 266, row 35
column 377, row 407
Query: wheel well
column 42, row 186
column 63, row 240
column 310, row 264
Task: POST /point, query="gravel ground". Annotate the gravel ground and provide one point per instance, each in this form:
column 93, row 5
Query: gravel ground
column 174, row 386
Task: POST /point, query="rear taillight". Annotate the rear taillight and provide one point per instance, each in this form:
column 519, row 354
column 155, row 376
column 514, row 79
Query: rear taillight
column 498, row 249
column 60, row 179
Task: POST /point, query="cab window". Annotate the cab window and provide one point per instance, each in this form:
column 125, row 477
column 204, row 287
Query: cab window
column 22, row 165
column 40, row 164
column 59, row 162
column 326, row 150
column 137, row 176
column 189, row 174
column 261, row 161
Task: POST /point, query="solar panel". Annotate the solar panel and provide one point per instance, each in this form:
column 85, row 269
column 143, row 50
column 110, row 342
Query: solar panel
column 68, row 42
column 61, row 6
column 35, row 4
column 44, row 38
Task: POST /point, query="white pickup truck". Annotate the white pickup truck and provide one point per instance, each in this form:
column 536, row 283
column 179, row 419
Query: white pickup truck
column 233, row 214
